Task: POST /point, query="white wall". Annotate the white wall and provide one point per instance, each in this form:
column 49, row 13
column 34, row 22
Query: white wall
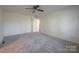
column 63, row 24
column 16, row 24
column 1, row 25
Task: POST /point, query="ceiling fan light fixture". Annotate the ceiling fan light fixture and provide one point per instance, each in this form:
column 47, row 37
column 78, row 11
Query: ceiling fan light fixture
column 35, row 7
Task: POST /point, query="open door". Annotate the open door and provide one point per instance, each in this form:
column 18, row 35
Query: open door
column 35, row 25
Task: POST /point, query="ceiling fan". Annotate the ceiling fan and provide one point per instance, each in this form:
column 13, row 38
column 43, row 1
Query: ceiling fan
column 35, row 8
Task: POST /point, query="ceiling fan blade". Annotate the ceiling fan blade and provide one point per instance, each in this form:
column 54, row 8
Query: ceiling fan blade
column 40, row 10
column 35, row 6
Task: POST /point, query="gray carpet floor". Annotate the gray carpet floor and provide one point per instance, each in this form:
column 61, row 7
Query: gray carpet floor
column 37, row 43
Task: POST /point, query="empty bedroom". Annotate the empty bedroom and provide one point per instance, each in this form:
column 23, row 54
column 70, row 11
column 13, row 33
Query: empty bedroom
column 39, row 29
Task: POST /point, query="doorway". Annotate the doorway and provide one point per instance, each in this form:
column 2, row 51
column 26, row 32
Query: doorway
column 35, row 25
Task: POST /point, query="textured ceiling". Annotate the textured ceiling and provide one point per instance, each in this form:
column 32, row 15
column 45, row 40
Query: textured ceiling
column 21, row 8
